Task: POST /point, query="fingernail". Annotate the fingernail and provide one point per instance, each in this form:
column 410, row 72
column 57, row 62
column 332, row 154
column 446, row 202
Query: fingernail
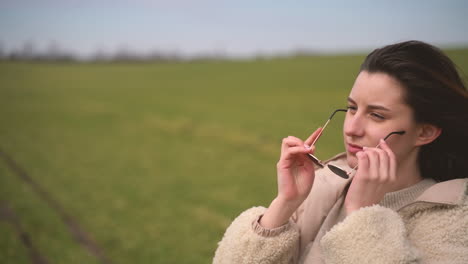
column 307, row 146
column 382, row 141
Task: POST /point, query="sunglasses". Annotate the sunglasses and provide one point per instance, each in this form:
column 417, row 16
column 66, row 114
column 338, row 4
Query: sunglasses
column 334, row 168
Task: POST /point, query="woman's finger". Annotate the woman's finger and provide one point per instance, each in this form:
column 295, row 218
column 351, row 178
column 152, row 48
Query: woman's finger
column 290, row 141
column 292, row 146
column 392, row 164
column 315, row 135
column 296, row 150
column 383, row 165
column 363, row 164
column 373, row 163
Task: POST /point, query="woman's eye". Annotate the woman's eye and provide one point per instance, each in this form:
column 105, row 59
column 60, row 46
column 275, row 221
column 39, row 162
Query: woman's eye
column 380, row 117
column 352, row 108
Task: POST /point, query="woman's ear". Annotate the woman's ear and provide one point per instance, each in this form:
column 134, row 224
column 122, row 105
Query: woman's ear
column 427, row 134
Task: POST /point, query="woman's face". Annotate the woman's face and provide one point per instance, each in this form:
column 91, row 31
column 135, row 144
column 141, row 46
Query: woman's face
column 376, row 108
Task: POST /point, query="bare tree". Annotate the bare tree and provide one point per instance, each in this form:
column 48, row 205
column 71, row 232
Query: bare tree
column 27, row 52
column 2, row 51
column 55, row 53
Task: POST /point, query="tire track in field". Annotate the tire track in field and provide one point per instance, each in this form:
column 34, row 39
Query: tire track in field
column 77, row 232
column 8, row 215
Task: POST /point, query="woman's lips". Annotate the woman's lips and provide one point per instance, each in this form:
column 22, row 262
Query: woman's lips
column 353, row 148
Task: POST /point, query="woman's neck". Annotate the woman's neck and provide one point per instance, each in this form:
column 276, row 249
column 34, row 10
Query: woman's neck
column 408, row 173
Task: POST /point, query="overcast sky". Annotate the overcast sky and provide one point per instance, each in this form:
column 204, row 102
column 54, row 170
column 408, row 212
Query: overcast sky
column 241, row 27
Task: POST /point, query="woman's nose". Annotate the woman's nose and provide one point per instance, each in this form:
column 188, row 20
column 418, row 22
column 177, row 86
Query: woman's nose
column 354, row 125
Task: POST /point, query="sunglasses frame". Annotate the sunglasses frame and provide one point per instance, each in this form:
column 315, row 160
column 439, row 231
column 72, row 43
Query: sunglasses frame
column 314, row 159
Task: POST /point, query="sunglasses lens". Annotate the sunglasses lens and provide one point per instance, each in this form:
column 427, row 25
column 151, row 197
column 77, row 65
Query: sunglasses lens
column 315, row 160
column 338, row 171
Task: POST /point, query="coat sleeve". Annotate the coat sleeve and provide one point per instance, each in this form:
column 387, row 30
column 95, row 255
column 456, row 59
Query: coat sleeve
column 246, row 241
column 379, row 235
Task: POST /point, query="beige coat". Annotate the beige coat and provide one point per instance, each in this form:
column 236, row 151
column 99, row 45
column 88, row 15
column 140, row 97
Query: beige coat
column 426, row 223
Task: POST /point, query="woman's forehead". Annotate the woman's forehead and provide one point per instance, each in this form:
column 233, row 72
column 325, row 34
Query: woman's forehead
column 377, row 88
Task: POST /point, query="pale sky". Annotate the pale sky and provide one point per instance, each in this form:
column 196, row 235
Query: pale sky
column 241, row 27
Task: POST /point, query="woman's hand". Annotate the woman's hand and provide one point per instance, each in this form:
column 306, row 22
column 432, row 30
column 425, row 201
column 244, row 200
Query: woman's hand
column 376, row 175
column 295, row 179
column 295, row 170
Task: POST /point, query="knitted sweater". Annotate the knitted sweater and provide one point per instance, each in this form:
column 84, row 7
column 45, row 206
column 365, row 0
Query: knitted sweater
column 425, row 223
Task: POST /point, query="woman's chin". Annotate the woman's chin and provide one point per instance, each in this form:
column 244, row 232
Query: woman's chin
column 351, row 159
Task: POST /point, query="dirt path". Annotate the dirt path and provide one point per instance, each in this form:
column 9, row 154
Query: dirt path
column 78, row 233
column 8, row 215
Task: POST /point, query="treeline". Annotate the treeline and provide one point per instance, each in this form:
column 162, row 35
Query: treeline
column 98, row 57
column 54, row 53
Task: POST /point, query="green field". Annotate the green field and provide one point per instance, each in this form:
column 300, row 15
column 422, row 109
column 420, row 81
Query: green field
column 154, row 160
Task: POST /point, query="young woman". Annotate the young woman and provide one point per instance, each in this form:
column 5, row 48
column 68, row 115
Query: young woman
column 405, row 200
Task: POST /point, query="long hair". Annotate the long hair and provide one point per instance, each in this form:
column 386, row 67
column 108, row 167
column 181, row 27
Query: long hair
column 436, row 93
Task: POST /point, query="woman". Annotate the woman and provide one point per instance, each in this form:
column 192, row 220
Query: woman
column 406, row 198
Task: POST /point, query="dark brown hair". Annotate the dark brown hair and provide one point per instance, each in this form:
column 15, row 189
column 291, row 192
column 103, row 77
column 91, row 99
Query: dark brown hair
column 436, row 93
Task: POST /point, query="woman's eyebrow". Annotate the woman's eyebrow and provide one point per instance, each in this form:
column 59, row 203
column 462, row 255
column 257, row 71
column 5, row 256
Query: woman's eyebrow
column 351, row 100
column 372, row 107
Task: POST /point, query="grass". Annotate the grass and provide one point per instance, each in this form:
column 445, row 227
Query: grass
column 155, row 160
